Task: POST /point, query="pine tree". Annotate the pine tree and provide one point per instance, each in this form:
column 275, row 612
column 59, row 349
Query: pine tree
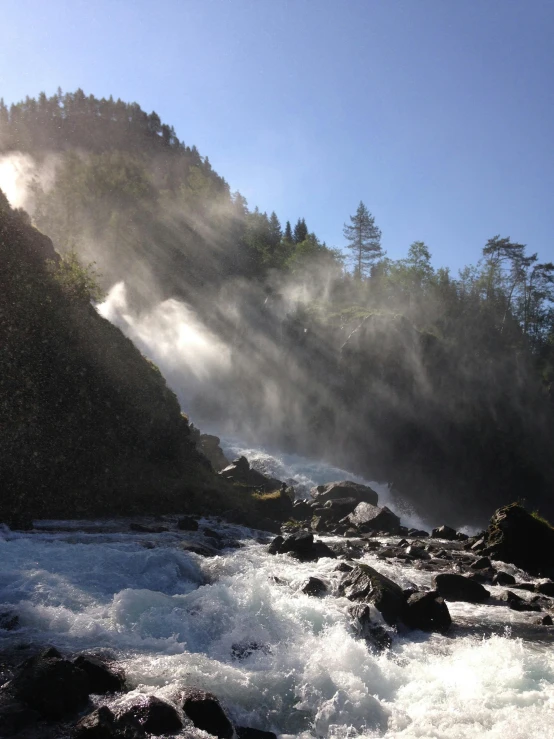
column 300, row 231
column 364, row 240
column 288, row 233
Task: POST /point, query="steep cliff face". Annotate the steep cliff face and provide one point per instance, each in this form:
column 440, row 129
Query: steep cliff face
column 88, row 424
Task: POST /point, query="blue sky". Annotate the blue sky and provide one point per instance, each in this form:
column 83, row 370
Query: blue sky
column 438, row 114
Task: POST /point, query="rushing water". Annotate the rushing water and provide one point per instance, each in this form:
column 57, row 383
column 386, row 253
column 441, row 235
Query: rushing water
column 238, row 625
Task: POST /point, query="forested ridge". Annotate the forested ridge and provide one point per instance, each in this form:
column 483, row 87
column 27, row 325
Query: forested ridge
column 440, row 384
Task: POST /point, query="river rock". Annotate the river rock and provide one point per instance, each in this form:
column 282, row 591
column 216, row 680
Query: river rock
column 314, row 586
column 187, row 523
column 517, row 603
column 373, row 634
column 444, row 532
column 503, row 578
column 545, row 588
column 102, row 677
column 301, row 511
column 204, row 550
column 100, row 724
column 206, row 713
column 243, row 732
column 153, row 715
column 481, row 564
column 367, row 585
column 516, row 536
column 51, row 685
column 344, row 489
column 299, row 544
column 427, row 612
column 368, row 516
column 457, row 587
column 240, row 471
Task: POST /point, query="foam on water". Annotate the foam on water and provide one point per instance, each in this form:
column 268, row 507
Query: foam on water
column 239, row 625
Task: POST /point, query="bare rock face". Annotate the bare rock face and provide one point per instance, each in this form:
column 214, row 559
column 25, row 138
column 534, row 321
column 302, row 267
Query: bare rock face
column 518, row 537
column 372, row 517
column 344, row 489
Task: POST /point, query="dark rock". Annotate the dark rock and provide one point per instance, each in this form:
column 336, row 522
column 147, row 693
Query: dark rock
column 546, row 620
column 516, row 536
column 243, row 732
column 341, row 507
column 417, row 552
column 242, row 650
column 301, row 511
column 367, row 585
column 51, row 685
column 143, row 529
column 212, row 533
column 457, row 587
column 427, row 612
column 528, row 586
column 483, row 576
column 205, row 712
column 545, row 588
column 516, row 603
column 102, row 678
column 321, row 550
column 204, row 550
column 240, row 471
column 15, row 717
column 481, row 564
column 370, row 516
column 275, row 546
column 343, row 567
column 418, row 533
column 99, row 724
column 187, row 523
column 444, row 532
column 154, row 716
column 503, row 578
column 314, row 587
column 461, row 537
column 210, row 447
column 299, row 543
column 344, row 489
column 374, row 634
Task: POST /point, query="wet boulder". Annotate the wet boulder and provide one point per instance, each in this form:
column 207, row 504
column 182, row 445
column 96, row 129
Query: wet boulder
column 418, row 533
column 344, row 489
column 239, row 471
column 204, row 550
column 340, row 507
column 545, row 588
column 51, row 685
column 100, row 724
column 102, row 677
column 427, row 612
column 206, row 713
column 187, row 523
column 275, row 546
column 459, row 588
column 503, row 578
column 517, row 603
column 444, row 532
column 152, row 715
column 243, row 732
column 374, row 634
column 518, row 537
column 146, row 529
column 15, row 717
column 299, row 544
column 370, row 517
column 481, row 564
column 314, row 586
column 369, row 586
column 301, row 511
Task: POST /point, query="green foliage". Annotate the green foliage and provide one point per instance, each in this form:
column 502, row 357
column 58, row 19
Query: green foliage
column 542, row 520
column 364, row 240
column 79, row 283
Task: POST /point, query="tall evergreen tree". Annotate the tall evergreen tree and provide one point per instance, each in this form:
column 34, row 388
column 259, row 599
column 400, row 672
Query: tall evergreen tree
column 300, row 231
column 364, row 240
column 288, row 233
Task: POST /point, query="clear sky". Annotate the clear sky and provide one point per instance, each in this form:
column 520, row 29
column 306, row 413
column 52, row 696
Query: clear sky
column 438, row 114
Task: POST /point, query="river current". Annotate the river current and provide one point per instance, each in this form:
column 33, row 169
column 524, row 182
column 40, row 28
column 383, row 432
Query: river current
column 238, row 625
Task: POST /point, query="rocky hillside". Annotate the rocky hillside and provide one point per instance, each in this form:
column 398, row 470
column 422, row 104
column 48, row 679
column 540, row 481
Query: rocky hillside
column 88, row 424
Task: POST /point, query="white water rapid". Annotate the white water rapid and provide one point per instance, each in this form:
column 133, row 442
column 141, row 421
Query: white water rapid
column 238, row 625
